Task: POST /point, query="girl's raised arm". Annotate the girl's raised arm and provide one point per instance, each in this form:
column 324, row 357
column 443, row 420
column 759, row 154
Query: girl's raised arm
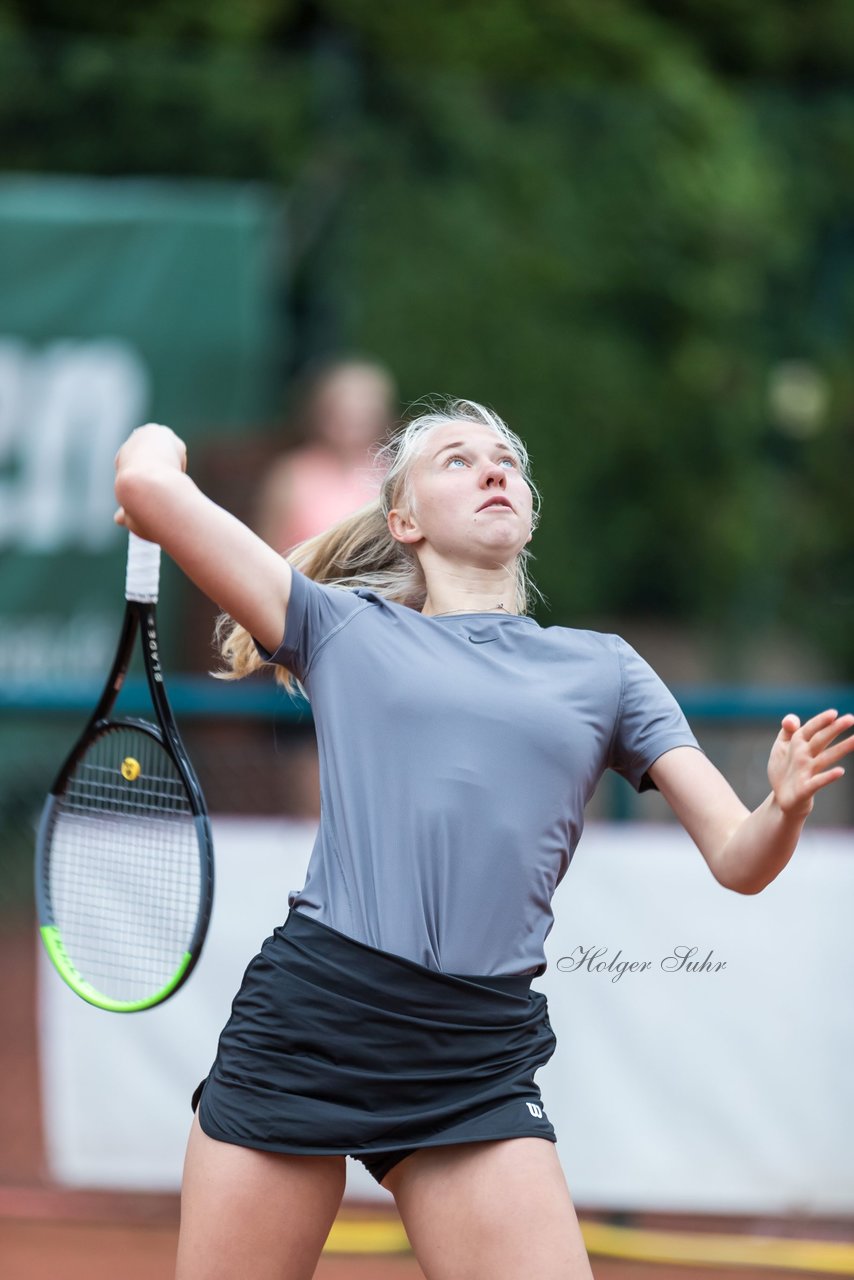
column 226, row 560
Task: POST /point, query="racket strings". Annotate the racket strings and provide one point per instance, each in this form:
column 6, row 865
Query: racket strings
column 97, row 787
column 124, row 874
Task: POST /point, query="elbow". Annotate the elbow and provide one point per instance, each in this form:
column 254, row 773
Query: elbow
column 749, row 888
column 736, row 883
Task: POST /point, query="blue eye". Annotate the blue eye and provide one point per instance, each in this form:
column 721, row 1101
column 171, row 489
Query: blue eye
column 457, row 457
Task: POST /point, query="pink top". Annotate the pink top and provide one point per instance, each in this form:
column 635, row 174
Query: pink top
column 319, row 491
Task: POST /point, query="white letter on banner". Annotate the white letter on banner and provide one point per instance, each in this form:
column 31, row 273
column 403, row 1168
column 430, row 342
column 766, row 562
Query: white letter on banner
column 13, row 364
column 79, row 402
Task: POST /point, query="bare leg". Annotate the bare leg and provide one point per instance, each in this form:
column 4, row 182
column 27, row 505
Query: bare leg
column 254, row 1213
column 497, row 1210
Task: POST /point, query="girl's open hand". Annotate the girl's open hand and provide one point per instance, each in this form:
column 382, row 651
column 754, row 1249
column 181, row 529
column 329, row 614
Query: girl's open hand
column 803, row 760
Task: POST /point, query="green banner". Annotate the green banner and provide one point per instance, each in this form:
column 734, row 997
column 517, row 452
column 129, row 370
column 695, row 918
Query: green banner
column 122, row 301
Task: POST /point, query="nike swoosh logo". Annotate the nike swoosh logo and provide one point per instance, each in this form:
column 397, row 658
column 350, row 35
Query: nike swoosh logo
column 486, row 641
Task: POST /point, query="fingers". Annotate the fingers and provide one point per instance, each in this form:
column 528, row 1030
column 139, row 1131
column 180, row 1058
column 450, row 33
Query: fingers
column 831, row 754
column 824, row 737
column 821, row 728
column 820, row 721
column 823, row 779
column 121, row 517
column 819, row 732
column 808, row 770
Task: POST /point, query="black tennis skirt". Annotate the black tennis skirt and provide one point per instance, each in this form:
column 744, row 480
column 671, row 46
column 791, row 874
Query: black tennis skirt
column 334, row 1047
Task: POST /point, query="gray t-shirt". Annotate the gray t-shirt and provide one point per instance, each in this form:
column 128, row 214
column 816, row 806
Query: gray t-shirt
column 457, row 755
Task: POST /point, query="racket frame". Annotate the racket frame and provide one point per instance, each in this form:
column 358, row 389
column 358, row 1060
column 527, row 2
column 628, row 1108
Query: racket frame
column 140, row 619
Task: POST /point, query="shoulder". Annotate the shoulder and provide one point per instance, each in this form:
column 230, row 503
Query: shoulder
column 393, row 608
column 608, row 644
column 345, row 597
column 605, row 645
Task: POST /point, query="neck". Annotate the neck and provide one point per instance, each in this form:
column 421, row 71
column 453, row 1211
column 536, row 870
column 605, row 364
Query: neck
column 429, row 612
column 456, row 588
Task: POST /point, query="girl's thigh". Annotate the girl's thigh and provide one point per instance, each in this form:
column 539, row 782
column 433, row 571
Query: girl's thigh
column 496, row 1210
column 254, row 1213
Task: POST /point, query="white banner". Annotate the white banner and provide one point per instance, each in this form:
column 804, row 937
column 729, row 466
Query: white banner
column 705, row 1038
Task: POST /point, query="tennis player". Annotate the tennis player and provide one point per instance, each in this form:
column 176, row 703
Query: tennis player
column 391, row 1016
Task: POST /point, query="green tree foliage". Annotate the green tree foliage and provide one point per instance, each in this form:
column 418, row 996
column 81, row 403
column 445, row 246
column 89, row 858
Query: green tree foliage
column 614, row 221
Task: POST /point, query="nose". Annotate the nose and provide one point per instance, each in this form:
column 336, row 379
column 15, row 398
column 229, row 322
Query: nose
column 494, row 473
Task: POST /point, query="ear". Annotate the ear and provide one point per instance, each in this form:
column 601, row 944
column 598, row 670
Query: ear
column 402, row 527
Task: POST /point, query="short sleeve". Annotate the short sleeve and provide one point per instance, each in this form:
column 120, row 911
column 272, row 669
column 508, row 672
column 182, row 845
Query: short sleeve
column 649, row 720
column 315, row 613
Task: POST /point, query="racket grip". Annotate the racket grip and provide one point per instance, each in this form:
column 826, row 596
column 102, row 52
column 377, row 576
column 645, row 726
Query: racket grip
column 142, row 580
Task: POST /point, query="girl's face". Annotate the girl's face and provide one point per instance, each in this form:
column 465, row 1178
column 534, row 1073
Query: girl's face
column 470, row 495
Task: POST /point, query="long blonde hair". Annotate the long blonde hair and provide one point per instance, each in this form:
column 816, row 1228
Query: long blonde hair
column 359, row 551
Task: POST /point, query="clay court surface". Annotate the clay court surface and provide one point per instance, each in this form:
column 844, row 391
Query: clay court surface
column 40, row 1249
column 49, row 1234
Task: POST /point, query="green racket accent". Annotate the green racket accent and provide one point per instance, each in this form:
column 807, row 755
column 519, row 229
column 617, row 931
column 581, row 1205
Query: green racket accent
column 56, row 951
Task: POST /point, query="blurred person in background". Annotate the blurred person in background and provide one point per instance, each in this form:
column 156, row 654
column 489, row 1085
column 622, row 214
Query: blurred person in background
column 343, row 409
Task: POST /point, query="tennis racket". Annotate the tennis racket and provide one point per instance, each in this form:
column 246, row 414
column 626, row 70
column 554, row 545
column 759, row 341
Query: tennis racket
column 124, row 854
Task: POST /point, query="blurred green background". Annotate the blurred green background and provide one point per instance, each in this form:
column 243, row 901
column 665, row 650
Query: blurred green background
column 628, row 226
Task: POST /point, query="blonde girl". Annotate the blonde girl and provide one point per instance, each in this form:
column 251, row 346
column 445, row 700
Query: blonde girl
column 391, row 1015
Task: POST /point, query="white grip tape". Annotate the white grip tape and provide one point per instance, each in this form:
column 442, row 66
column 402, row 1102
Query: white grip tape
column 143, row 571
